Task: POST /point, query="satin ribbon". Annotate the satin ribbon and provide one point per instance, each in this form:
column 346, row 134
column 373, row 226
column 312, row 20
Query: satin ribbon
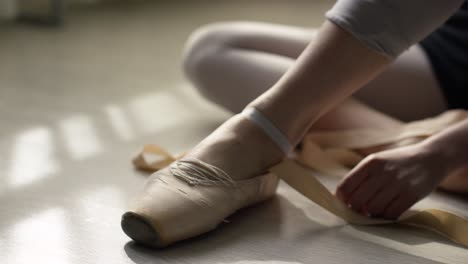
column 332, row 153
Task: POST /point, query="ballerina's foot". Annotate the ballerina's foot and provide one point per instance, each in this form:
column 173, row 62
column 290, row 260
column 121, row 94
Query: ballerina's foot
column 238, row 147
column 170, row 210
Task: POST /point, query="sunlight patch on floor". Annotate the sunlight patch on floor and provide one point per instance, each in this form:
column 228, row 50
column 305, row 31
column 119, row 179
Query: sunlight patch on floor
column 119, row 122
column 158, row 111
column 40, row 238
column 33, row 157
column 80, row 136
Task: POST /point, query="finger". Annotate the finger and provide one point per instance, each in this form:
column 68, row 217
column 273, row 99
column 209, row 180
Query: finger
column 399, row 205
column 367, row 190
column 352, row 181
column 382, row 199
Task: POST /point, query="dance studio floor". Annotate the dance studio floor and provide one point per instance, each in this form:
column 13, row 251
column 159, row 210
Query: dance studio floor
column 76, row 103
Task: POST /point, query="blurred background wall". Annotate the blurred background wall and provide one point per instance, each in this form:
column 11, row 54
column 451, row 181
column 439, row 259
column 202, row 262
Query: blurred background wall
column 40, row 9
column 14, row 9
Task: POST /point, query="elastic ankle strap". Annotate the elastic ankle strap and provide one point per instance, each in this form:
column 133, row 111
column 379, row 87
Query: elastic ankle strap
column 271, row 130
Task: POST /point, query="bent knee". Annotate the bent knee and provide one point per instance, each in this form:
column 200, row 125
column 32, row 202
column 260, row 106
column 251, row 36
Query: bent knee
column 199, row 48
column 207, row 41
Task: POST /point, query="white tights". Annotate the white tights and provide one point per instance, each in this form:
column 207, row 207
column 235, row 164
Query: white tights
column 231, row 63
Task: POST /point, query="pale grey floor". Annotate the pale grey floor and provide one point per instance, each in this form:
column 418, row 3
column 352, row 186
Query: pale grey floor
column 77, row 103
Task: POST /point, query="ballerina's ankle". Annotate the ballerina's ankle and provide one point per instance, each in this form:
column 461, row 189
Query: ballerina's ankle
column 270, row 129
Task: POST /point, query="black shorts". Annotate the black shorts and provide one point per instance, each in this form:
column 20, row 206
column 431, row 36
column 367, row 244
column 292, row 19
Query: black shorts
column 447, row 50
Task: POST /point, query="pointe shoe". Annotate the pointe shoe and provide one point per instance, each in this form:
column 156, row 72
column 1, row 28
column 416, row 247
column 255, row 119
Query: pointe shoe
column 177, row 206
column 170, row 209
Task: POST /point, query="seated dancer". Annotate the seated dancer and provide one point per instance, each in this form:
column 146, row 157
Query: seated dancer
column 362, row 48
column 400, row 60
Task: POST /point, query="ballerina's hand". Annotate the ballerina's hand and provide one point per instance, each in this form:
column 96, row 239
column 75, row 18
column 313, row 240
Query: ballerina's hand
column 387, row 183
